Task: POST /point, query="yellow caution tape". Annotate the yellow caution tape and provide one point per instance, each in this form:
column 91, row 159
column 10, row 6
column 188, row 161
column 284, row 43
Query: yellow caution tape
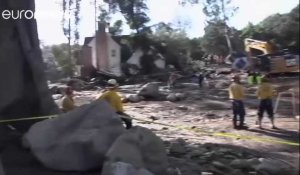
column 30, row 118
column 232, row 135
column 196, row 130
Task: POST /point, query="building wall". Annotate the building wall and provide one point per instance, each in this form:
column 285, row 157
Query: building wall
column 135, row 58
column 114, row 57
column 92, row 45
column 102, row 47
column 86, row 57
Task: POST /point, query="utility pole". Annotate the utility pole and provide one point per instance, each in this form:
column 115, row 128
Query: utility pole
column 226, row 29
column 96, row 43
column 69, row 38
column 95, row 3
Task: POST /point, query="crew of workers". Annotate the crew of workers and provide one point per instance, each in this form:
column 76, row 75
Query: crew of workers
column 265, row 92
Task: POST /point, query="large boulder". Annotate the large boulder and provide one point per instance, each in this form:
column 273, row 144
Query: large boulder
column 149, row 90
column 1, row 168
column 141, row 148
column 121, row 168
column 23, row 88
column 178, row 147
column 175, row 97
column 75, row 141
column 134, row 98
column 273, row 167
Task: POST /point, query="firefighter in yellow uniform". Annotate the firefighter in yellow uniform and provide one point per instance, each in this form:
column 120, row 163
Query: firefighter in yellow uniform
column 114, row 99
column 68, row 103
column 265, row 92
column 237, row 95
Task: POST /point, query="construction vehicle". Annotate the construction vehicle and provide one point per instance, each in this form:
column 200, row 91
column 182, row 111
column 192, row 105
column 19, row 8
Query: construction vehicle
column 264, row 57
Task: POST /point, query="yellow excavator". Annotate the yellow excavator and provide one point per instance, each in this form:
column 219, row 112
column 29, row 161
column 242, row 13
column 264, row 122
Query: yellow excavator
column 264, row 56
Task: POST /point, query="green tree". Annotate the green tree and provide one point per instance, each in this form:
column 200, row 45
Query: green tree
column 214, row 42
column 196, row 49
column 281, row 29
column 218, row 12
column 71, row 19
column 284, row 28
column 52, row 70
column 61, row 55
column 134, row 11
column 255, row 32
column 175, row 44
column 116, row 28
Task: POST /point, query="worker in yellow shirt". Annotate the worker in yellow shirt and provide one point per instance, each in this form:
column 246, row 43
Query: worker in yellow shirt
column 112, row 97
column 68, row 101
column 265, row 92
column 237, row 95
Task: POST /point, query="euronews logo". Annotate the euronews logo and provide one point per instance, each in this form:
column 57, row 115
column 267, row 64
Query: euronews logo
column 17, row 14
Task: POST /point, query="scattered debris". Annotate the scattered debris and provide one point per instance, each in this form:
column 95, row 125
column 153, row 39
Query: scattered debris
column 153, row 118
column 134, row 98
column 141, row 148
column 177, row 147
column 149, row 90
column 176, row 97
column 183, row 108
column 121, row 168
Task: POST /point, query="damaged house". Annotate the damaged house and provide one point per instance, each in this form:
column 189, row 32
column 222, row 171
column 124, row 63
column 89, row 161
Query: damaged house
column 107, row 54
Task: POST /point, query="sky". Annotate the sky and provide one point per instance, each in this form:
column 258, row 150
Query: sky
column 49, row 15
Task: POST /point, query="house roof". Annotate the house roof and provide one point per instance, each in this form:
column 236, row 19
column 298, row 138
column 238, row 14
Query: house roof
column 120, row 37
column 87, row 40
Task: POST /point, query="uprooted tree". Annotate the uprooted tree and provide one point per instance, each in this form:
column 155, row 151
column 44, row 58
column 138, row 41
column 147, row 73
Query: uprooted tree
column 23, row 90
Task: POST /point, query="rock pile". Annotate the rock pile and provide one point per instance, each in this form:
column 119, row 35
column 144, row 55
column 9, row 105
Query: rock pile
column 140, row 148
column 220, row 160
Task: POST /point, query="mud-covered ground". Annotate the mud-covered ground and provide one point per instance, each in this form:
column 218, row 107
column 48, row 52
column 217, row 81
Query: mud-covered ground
column 199, row 136
column 206, row 116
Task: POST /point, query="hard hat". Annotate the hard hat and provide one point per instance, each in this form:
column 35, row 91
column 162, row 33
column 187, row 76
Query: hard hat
column 112, row 82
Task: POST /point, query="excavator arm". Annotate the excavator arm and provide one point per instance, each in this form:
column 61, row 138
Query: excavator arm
column 263, row 46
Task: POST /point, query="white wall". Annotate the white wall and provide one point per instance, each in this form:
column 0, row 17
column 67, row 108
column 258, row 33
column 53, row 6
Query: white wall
column 114, row 60
column 160, row 63
column 92, row 44
column 135, row 58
